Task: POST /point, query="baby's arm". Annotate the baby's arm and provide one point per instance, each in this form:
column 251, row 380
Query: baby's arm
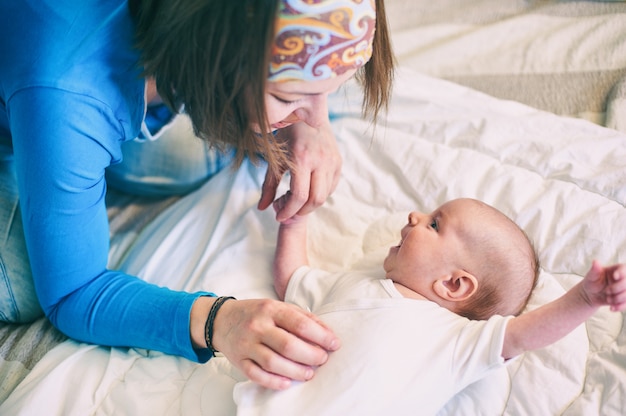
column 551, row 322
column 291, row 249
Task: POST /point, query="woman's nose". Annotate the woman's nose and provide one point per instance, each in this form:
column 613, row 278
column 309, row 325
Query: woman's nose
column 314, row 111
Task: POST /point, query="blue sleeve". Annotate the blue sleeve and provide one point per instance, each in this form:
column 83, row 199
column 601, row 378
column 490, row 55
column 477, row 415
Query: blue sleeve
column 62, row 144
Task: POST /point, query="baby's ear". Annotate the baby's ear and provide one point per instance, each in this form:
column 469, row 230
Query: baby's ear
column 457, row 287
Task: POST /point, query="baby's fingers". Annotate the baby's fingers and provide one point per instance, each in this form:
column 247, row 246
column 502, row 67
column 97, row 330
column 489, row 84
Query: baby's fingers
column 616, row 296
column 595, row 273
column 280, row 203
column 595, row 282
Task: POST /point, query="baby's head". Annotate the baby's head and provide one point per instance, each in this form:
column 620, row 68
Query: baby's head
column 468, row 257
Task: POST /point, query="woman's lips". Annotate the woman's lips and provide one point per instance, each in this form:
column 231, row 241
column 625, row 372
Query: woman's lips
column 280, row 125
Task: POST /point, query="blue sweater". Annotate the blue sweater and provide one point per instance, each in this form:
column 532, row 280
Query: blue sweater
column 70, row 95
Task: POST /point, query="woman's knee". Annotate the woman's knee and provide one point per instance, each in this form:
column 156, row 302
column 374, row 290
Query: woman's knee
column 18, row 300
column 176, row 163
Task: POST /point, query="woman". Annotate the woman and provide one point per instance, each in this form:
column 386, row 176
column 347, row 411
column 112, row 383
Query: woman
column 80, row 79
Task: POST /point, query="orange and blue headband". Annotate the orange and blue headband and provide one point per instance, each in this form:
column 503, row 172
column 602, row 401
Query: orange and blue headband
column 320, row 39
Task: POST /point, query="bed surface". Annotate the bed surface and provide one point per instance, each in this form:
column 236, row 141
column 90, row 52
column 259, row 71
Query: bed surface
column 562, row 179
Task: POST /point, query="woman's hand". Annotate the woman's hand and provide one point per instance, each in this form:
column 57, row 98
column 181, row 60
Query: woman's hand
column 317, row 169
column 271, row 342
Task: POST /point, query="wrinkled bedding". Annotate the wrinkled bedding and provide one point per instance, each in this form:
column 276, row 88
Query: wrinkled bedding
column 561, row 179
column 566, row 57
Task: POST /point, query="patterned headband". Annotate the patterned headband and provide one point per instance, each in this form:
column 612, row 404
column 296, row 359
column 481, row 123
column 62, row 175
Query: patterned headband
column 320, row 39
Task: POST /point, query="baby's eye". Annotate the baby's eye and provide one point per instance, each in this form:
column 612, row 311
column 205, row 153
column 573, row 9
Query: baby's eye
column 434, row 225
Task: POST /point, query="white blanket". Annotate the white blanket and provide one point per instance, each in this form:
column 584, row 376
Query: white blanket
column 563, row 180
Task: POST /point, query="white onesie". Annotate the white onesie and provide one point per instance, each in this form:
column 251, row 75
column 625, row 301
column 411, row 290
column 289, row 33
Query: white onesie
column 398, row 356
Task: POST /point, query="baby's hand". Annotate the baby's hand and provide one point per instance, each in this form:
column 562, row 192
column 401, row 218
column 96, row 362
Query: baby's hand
column 606, row 285
column 280, row 203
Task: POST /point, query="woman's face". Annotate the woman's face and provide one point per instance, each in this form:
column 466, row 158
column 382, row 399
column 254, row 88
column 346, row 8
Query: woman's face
column 317, row 47
column 290, row 102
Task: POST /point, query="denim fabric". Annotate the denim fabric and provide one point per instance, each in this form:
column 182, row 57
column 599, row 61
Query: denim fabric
column 173, row 162
column 18, row 301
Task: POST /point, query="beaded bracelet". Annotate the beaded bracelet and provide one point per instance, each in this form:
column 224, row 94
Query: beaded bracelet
column 208, row 326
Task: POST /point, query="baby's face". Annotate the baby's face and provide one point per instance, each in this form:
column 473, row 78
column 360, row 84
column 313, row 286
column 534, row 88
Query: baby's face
column 432, row 245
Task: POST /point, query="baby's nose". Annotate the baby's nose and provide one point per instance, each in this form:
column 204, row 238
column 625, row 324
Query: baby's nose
column 413, row 218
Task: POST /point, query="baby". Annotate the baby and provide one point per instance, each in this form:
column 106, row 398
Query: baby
column 446, row 314
column 466, row 256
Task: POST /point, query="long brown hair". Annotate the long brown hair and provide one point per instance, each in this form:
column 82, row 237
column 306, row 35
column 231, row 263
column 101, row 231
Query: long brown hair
column 212, row 57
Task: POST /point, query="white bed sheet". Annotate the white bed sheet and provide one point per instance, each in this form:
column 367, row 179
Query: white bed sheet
column 563, row 180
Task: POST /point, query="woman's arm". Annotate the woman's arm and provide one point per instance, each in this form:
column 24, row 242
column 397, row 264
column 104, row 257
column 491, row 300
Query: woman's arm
column 60, row 157
column 60, row 166
column 551, row 322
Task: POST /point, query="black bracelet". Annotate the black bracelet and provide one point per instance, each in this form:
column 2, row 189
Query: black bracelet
column 208, row 326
